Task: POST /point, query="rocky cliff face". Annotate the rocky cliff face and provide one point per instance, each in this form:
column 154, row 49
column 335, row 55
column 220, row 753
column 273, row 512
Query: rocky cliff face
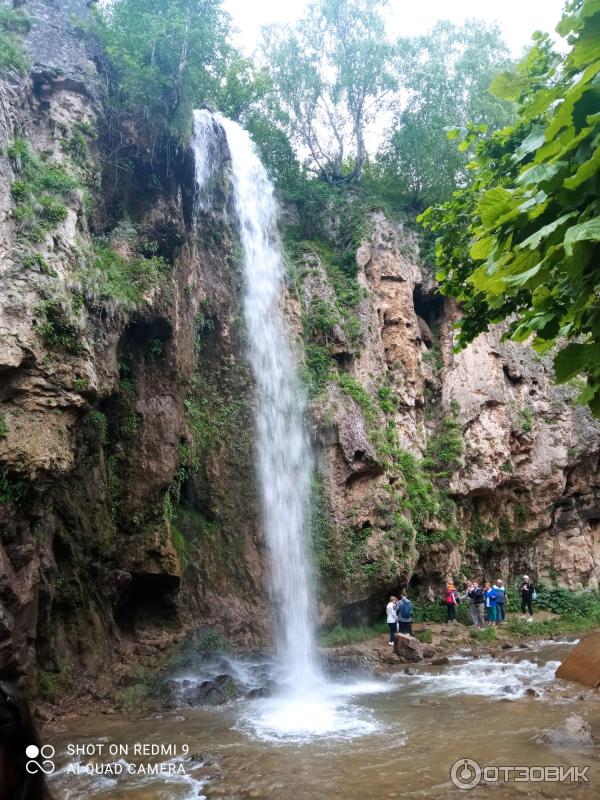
column 127, row 495
column 128, row 504
column 451, row 464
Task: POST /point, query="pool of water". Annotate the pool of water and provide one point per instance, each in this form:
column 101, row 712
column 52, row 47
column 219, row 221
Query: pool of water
column 393, row 737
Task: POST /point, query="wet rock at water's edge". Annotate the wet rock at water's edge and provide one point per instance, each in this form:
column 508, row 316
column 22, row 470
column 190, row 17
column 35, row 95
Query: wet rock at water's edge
column 574, row 732
column 190, row 693
column 407, row 648
column 582, row 665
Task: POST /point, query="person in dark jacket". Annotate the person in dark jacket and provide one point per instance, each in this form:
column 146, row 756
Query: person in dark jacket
column 476, row 596
column 20, row 748
column 527, row 591
column 404, row 612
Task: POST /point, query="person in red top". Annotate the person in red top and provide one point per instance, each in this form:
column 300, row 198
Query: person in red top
column 451, row 600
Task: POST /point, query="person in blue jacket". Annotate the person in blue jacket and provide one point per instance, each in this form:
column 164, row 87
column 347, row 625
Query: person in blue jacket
column 501, row 596
column 404, row 612
column 490, row 603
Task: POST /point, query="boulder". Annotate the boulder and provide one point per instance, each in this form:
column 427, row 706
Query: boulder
column 210, row 694
column 582, row 665
column 440, row 661
column 260, row 691
column 227, row 685
column 574, row 732
column 407, row 648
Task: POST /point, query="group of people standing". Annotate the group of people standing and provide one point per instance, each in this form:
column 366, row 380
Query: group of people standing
column 487, row 603
column 399, row 616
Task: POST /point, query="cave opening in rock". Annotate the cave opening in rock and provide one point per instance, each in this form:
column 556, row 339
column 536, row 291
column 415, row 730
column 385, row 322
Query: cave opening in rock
column 148, row 601
column 429, row 308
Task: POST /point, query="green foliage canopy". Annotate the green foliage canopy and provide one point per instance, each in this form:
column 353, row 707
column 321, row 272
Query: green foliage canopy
column 522, row 243
column 167, row 56
column 332, row 74
column 446, row 75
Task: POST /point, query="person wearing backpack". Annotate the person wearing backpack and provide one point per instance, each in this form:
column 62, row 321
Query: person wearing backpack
column 501, row 601
column 404, row 612
column 527, row 595
column 477, row 609
column 392, row 619
column 451, row 600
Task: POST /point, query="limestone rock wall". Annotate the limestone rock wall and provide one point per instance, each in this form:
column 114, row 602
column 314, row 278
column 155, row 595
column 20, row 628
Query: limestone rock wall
column 523, row 496
column 128, row 505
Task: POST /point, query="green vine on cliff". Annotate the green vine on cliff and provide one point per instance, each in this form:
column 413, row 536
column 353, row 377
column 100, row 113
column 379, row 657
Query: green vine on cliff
column 39, row 193
column 12, row 23
column 107, row 275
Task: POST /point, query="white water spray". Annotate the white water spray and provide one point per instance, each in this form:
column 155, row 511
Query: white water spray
column 282, row 446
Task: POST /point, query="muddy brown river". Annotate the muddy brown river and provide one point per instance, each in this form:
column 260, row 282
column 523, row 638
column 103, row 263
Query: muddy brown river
column 366, row 738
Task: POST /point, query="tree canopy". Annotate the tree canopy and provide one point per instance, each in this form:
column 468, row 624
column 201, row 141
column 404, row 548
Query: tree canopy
column 445, row 75
column 332, row 73
column 168, row 56
column 522, row 243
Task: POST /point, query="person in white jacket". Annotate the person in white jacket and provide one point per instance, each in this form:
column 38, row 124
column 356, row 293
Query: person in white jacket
column 392, row 619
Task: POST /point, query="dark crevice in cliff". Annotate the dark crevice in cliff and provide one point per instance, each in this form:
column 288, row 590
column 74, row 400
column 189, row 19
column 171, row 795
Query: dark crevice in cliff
column 148, row 601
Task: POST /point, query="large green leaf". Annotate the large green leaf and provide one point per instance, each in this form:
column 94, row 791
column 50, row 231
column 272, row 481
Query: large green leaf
column 532, row 242
column 585, row 231
column 575, row 358
column 536, row 139
column 507, row 85
column 493, row 205
column 539, row 173
column 522, row 278
column 481, row 248
column 587, row 170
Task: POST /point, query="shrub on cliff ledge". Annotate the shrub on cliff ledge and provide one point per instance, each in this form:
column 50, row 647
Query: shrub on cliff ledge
column 38, row 193
column 11, row 24
column 107, row 275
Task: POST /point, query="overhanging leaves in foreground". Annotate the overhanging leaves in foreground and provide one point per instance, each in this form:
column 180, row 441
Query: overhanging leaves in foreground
column 522, row 242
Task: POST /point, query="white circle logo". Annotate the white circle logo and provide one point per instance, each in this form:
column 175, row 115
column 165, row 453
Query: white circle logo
column 465, row 774
column 46, row 752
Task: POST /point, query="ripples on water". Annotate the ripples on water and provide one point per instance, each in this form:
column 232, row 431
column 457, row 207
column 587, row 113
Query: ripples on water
column 123, row 785
column 488, row 677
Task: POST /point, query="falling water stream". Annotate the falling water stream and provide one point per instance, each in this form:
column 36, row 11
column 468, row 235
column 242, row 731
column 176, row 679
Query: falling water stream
column 282, row 446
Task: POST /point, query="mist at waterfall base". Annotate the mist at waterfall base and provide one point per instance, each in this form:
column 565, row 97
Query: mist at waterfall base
column 307, row 705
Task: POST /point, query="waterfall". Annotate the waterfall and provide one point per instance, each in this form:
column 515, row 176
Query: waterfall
column 282, row 447
column 309, row 706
